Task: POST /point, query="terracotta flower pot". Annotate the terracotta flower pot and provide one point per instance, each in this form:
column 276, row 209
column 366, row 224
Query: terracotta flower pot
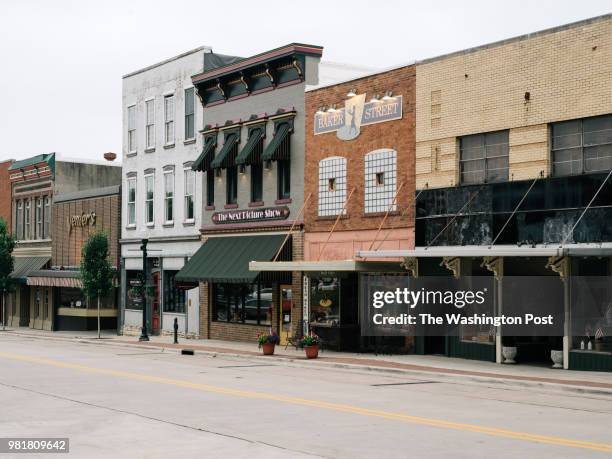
column 268, row 348
column 312, row 352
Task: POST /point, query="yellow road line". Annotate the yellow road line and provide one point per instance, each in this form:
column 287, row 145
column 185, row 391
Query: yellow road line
column 604, row 447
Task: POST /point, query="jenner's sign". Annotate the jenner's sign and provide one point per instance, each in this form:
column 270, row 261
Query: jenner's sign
column 251, row 215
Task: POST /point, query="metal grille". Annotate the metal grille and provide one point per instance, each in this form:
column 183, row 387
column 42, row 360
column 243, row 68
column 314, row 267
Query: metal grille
column 331, row 198
column 380, row 180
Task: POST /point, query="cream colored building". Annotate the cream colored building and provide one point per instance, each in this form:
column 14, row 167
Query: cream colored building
column 521, row 85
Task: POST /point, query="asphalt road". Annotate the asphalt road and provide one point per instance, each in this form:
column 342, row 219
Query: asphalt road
column 117, row 402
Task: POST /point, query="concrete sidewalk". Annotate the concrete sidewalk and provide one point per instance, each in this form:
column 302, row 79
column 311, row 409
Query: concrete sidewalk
column 440, row 367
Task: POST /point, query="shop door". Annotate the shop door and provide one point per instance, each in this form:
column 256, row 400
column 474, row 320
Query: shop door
column 155, row 316
column 284, row 310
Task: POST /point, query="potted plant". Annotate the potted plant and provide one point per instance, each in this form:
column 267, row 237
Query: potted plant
column 311, row 344
column 267, row 341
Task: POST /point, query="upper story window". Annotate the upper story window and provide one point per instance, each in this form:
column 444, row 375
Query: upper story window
column 149, row 199
column 583, row 145
column 210, row 187
column 169, row 120
column 169, row 196
column 26, row 220
column 47, row 217
column 284, row 178
column 332, row 185
column 231, row 181
column 150, row 123
column 189, row 195
column 256, row 182
column 484, row 157
column 39, row 218
column 380, row 173
column 19, row 219
column 131, row 201
column 131, row 133
column 189, row 113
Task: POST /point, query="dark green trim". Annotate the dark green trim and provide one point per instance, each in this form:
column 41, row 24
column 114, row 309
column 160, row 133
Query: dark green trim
column 251, row 153
column 227, row 155
column 469, row 350
column 274, row 151
column 590, row 361
column 205, row 159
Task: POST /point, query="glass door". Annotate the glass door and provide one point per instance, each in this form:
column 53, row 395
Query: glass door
column 284, row 309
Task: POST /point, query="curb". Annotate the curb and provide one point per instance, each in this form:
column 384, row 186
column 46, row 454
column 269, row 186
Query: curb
column 318, row 364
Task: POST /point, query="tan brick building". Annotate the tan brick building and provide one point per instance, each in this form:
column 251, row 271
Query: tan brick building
column 521, row 84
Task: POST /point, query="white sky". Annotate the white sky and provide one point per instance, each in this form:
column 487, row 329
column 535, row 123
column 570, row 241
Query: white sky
column 62, row 61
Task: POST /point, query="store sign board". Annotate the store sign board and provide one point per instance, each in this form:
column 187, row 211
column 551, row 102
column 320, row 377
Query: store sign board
column 251, row 215
column 347, row 122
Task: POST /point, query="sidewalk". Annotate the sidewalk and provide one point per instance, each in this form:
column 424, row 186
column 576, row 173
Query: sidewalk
column 430, row 366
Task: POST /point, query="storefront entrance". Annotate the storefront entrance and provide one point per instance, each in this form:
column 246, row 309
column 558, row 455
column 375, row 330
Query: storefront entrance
column 284, row 313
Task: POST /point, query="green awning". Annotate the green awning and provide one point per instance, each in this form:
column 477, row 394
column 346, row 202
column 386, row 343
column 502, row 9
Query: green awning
column 22, row 266
column 251, row 153
column 202, row 164
column 278, row 148
column 227, row 156
column 226, row 259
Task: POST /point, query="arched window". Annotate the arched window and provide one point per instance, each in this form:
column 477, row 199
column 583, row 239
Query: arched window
column 380, row 180
column 332, row 185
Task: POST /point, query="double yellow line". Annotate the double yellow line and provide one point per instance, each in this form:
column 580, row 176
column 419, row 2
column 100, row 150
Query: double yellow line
column 603, row 447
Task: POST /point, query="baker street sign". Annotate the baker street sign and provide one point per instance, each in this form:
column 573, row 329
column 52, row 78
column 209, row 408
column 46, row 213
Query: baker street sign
column 346, row 122
column 251, row 215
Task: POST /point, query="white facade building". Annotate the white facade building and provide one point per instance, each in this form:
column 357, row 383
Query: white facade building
column 160, row 193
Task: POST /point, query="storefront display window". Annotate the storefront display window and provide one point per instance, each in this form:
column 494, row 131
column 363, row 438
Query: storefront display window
column 134, row 290
column 72, row 298
column 325, row 300
column 174, row 298
column 592, row 319
column 243, row 303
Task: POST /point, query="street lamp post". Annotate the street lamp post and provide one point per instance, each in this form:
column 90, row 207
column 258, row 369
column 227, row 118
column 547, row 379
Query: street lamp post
column 143, row 335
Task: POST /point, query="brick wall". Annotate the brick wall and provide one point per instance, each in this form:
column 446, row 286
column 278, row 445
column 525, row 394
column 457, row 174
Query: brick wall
column 565, row 71
column 5, row 194
column 68, row 242
column 398, row 135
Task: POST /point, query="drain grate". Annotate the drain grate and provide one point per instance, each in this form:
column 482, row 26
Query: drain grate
column 404, row 383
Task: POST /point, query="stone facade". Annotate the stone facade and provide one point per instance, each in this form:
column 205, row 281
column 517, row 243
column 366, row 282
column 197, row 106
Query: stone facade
column 520, row 84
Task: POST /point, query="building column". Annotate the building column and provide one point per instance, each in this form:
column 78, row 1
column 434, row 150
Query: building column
column 496, row 266
column 562, row 266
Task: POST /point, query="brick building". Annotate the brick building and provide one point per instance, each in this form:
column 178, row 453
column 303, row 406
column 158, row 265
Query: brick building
column 513, row 164
column 5, row 193
column 359, row 190
column 76, row 216
column 35, row 182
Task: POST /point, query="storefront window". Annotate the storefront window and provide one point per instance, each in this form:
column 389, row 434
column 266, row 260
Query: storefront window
column 134, row 290
column 174, row 298
column 243, row 303
column 325, row 300
column 72, row 298
column 592, row 313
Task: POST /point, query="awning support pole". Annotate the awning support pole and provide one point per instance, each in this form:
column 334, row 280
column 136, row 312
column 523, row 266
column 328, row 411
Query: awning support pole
column 386, row 215
column 292, row 226
column 336, row 223
column 454, row 218
column 570, row 232
column 515, row 209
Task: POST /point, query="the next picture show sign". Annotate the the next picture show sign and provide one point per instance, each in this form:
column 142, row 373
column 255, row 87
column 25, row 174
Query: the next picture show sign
column 346, row 122
column 251, row 215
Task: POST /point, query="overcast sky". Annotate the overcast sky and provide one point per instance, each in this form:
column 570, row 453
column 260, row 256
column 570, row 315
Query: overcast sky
column 62, row 61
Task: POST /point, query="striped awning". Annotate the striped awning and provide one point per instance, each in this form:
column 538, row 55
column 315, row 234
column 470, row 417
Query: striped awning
column 251, row 153
column 227, row 155
column 203, row 162
column 23, row 266
column 278, row 148
column 55, row 278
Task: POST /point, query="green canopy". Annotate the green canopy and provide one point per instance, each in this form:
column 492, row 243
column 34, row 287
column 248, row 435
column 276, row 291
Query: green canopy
column 202, row 164
column 227, row 155
column 22, row 266
column 226, row 259
column 278, row 147
column 251, row 153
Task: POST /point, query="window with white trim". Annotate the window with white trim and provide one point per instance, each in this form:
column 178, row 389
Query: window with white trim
column 189, row 195
column 169, row 120
column 19, row 220
column 332, row 185
column 131, row 116
column 131, row 201
column 189, row 113
column 47, row 217
column 150, row 123
column 169, row 196
column 380, row 181
column 149, row 199
column 39, row 218
column 26, row 220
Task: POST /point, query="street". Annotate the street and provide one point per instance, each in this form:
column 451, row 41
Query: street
column 117, row 401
